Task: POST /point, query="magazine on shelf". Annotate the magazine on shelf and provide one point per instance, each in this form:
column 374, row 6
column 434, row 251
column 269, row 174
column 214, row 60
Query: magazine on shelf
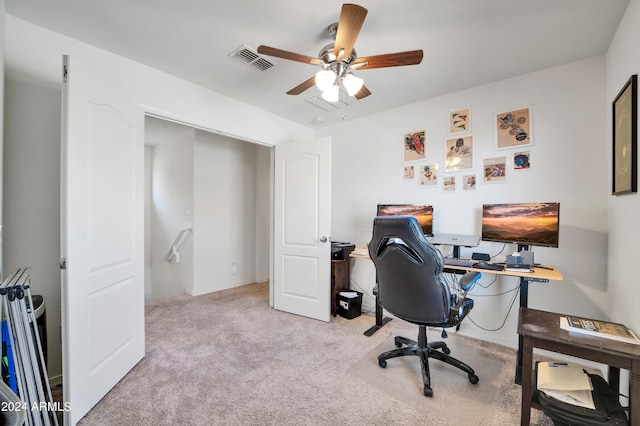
column 604, row 329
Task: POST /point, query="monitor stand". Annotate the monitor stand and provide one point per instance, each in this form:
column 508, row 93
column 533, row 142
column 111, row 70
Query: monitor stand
column 456, row 240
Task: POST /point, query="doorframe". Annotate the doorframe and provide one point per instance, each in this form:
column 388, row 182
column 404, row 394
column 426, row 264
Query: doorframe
column 163, row 115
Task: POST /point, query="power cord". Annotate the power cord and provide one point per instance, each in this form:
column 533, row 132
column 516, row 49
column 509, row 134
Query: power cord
column 515, row 291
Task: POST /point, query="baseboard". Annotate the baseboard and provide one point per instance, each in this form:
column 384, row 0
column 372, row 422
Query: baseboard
column 55, row 380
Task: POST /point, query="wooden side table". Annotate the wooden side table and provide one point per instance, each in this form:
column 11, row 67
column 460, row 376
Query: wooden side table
column 339, row 281
column 540, row 329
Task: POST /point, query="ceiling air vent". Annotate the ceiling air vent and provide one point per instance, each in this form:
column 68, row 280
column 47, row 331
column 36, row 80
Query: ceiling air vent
column 251, row 57
column 343, row 102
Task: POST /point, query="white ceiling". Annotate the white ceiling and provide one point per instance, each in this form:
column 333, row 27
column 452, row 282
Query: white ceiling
column 466, row 43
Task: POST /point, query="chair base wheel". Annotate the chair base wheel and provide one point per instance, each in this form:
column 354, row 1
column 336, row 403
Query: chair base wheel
column 446, row 350
column 428, row 391
column 382, row 363
column 473, row 379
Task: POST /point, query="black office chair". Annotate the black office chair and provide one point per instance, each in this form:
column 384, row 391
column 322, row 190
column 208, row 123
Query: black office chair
column 410, row 285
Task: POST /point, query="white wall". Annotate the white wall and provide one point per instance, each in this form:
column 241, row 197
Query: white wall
column 31, row 200
column 34, row 54
column 229, row 211
column 171, row 207
column 568, row 165
column 624, row 232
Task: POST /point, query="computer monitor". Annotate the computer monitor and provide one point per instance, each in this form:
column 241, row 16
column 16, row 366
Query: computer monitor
column 525, row 224
column 424, row 214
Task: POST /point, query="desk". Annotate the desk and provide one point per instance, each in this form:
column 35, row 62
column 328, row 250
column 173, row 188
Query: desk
column 539, row 275
column 540, row 329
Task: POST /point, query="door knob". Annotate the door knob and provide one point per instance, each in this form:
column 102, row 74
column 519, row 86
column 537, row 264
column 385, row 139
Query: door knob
column 323, row 239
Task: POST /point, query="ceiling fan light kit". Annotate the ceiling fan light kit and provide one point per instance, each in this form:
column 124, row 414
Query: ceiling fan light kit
column 325, row 79
column 338, row 60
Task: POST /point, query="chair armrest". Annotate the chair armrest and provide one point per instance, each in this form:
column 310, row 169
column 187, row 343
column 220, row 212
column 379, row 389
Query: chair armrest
column 469, row 279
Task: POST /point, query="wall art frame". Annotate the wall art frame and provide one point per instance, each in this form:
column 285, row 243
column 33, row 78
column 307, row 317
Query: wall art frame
column 514, row 129
column 625, row 136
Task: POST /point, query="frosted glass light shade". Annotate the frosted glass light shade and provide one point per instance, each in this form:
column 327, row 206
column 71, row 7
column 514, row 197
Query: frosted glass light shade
column 332, row 94
column 325, row 79
column 352, row 83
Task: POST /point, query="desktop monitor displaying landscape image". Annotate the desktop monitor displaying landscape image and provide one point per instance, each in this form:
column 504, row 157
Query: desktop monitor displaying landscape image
column 525, row 224
column 424, row 214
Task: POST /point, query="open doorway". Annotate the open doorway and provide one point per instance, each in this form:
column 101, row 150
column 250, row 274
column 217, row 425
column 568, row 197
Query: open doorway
column 209, row 194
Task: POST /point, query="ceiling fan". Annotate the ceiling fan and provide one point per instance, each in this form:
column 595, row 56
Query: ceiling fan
column 338, row 60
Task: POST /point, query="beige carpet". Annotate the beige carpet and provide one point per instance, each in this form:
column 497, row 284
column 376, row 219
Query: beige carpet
column 228, row 359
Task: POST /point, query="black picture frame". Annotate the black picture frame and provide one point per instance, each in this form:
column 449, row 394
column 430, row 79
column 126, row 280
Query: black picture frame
column 625, row 135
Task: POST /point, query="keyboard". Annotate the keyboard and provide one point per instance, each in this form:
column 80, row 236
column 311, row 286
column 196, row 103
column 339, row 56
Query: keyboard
column 454, row 261
column 489, row 266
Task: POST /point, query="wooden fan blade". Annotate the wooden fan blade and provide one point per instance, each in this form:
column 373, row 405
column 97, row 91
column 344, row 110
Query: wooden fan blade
column 362, row 93
column 302, row 86
column 284, row 54
column 351, row 20
column 412, row 57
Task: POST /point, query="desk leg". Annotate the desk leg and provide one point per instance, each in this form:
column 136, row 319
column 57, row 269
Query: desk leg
column 634, row 393
column 380, row 321
column 524, row 301
column 527, row 381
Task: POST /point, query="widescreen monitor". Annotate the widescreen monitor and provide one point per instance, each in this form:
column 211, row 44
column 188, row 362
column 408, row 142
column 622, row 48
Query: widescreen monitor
column 525, row 224
column 424, row 214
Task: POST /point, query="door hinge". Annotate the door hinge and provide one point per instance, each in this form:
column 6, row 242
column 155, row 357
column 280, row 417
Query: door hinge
column 63, row 263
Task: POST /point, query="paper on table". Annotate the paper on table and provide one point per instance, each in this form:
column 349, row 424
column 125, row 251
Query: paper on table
column 349, row 294
column 562, row 376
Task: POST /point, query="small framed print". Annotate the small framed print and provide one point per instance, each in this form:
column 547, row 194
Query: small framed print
column 415, row 145
column 521, row 160
column 513, row 129
column 409, row 172
column 449, row 183
column 469, row 182
column 428, row 175
column 459, row 153
column 625, row 135
column 460, row 121
column 494, row 170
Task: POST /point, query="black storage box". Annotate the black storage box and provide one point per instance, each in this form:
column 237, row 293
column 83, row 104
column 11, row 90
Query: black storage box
column 350, row 307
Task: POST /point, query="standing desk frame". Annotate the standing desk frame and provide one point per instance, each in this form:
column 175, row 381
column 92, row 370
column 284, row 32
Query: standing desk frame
column 538, row 275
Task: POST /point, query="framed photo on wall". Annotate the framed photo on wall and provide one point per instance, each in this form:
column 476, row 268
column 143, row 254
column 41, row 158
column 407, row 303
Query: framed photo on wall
column 494, row 170
column 428, row 174
column 625, row 134
column 460, row 121
column 521, row 160
column 459, row 153
column 449, row 183
column 469, row 182
column 513, row 128
column 415, row 145
column 408, row 172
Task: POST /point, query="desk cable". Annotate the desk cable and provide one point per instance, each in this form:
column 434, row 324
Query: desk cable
column 453, row 283
column 515, row 291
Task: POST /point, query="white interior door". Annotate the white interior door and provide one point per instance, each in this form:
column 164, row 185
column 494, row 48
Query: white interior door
column 302, row 209
column 102, row 234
